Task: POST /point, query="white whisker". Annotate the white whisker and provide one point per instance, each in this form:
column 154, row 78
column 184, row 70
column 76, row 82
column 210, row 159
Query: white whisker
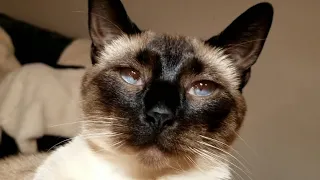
column 194, row 163
column 211, row 158
column 209, row 145
column 225, row 159
column 251, row 149
column 61, row 142
column 211, row 139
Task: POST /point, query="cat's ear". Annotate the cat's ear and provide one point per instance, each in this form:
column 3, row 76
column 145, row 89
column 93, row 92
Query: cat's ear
column 244, row 38
column 108, row 20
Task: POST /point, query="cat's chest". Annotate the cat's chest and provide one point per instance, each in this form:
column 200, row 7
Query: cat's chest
column 76, row 161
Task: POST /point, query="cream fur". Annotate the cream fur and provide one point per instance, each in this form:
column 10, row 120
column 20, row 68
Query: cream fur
column 122, row 46
column 20, row 167
column 78, row 161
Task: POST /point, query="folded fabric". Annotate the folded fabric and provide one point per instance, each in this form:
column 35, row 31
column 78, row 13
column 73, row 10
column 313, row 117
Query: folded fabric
column 32, row 43
column 38, row 100
column 8, row 61
column 76, row 54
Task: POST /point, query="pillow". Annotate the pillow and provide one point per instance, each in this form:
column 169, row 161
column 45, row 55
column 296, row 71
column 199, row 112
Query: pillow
column 34, row 44
column 8, row 61
column 38, row 100
column 77, row 54
column 42, row 55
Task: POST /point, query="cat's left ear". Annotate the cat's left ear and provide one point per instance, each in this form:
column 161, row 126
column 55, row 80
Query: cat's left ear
column 244, row 38
column 108, row 20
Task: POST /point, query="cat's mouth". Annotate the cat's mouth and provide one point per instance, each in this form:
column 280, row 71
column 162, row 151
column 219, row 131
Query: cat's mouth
column 157, row 145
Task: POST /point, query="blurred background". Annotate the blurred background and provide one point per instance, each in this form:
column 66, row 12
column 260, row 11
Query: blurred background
column 280, row 136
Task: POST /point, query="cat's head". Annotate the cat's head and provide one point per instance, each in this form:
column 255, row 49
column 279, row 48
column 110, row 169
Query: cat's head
column 167, row 100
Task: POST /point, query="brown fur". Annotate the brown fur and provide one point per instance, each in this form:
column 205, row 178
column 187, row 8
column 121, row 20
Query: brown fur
column 194, row 131
column 186, row 137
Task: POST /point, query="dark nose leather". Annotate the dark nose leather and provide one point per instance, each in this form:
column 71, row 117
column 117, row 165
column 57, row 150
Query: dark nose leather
column 160, row 117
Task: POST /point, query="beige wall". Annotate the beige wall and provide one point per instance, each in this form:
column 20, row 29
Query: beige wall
column 283, row 122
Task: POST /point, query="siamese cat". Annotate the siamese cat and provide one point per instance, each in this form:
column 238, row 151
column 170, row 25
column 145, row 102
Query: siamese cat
column 157, row 106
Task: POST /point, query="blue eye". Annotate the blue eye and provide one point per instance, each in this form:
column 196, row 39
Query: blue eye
column 131, row 76
column 202, row 88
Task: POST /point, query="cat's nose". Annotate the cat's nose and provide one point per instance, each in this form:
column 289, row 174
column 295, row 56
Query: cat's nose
column 160, row 117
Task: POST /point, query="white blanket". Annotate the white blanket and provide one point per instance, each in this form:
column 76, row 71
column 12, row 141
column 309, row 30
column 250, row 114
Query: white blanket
column 8, row 61
column 37, row 100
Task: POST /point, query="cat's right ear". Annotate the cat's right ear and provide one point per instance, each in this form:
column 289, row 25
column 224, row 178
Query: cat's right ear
column 108, row 20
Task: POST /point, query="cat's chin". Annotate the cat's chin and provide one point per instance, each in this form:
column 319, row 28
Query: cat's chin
column 152, row 157
column 156, row 160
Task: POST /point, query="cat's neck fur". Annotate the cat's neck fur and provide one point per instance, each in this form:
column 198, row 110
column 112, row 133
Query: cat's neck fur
column 86, row 164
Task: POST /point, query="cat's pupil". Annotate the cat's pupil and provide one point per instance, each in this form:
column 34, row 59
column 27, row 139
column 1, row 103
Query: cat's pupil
column 134, row 74
column 201, row 86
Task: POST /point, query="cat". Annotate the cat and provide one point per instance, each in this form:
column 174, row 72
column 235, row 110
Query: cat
column 159, row 106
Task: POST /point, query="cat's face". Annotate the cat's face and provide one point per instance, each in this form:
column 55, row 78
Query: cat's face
column 167, row 100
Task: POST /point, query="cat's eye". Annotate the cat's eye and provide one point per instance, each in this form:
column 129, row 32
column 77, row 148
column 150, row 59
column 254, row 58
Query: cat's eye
column 202, row 88
column 131, row 76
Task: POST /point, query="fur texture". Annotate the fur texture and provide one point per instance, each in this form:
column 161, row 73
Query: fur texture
column 158, row 106
column 22, row 167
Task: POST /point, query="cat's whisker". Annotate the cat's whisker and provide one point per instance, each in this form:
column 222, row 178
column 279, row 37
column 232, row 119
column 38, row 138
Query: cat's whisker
column 68, row 123
column 96, row 134
column 102, row 126
column 245, row 142
column 78, row 11
column 98, row 116
column 234, row 150
column 208, row 156
column 115, row 146
column 179, row 166
column 64, row 124
column 177, row 162
column 202, row 155
column 101, row 120
column 117, row 143
column 226, row 160
column 194, row 163
column 100, row 150
column 120, row 145
column 168, row 164
column 88, row 120
column 187, row 161
column 61, row 142
column 99, row 134
column 225, row 152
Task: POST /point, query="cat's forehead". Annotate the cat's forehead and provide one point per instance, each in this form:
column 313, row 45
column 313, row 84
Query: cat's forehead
column 172, row 54
column 176, row 47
